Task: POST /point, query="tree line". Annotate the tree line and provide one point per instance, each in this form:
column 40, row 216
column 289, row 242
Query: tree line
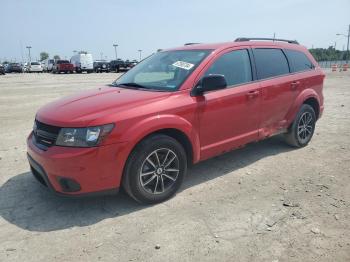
column 328, row 54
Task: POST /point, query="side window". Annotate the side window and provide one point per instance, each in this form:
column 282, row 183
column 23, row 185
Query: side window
column 235, row 66
column 270, row 62
column 298, row 61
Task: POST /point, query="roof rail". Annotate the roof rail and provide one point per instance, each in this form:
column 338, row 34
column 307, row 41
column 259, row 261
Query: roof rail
column 192, row 44
column 242, row 39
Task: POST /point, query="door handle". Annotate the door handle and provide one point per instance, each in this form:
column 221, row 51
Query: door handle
column 253, row 94
column 294, row 85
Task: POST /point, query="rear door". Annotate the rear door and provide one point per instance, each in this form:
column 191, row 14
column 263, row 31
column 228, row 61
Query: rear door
column 302, row 69
column 230, row 117
column 279, row 88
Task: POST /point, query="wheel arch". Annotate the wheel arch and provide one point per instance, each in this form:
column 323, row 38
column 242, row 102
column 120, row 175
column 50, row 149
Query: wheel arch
column 178, row 134
column 180, row 137
column 312, row 101
column 307, row 96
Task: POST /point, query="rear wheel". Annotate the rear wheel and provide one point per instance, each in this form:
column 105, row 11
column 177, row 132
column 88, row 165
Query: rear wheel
column 155, row 169
column 302, row 128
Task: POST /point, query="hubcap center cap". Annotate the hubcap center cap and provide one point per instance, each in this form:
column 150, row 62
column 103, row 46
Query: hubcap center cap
column 159, row 170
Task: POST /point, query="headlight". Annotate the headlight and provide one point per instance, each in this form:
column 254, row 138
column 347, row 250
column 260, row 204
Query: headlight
column 83, row 137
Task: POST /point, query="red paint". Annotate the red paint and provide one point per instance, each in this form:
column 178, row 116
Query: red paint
column 214, row 123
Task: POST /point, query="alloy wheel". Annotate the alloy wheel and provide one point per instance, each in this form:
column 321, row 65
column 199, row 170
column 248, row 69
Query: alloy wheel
column 305, row 127
column 159, row 171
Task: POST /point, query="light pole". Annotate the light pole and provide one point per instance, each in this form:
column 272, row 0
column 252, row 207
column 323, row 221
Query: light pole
column 29, row 47
column 140, row 51
column 115, row 50
column 347, row 45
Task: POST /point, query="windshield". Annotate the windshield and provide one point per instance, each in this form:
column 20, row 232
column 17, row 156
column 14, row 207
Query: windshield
column 34, row 63
column 62, row 62
column 164, row 71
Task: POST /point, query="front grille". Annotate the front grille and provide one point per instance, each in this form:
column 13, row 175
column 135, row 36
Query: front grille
column 45, row 135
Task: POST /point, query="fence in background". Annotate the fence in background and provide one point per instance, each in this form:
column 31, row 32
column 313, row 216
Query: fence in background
column 328, row 64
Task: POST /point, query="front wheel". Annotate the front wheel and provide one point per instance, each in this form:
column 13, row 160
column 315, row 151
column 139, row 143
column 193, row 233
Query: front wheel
column 302, row 128
column 155, row 169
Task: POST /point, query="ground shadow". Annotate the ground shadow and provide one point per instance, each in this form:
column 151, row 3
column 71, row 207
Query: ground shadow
column 28, row 205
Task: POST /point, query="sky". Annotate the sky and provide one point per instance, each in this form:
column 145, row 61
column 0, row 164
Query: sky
column 59, row 27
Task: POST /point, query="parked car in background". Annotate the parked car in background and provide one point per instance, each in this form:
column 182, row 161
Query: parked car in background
column 82, row 62
column 101, row 66
column 25, row 66
column 14, row 68
column 48, row 64
column 2, row 69
column 134, row 63
column 62, row 66
column 130, row 64
column 176, row 108
column 117, row 65
column 35, row 67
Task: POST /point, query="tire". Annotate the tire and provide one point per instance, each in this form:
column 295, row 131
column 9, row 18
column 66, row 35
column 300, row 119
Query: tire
column 304, row 124
column 143, row 173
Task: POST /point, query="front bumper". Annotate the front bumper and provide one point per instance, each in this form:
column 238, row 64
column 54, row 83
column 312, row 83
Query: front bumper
column 76, row 171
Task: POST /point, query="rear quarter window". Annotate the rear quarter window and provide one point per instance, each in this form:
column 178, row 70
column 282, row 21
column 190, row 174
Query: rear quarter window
column 298, row 61
column 270, row 62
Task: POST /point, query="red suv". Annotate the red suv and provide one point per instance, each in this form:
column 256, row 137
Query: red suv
column 176, row 108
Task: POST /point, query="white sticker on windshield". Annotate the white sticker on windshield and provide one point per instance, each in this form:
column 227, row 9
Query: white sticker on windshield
column 183, row 65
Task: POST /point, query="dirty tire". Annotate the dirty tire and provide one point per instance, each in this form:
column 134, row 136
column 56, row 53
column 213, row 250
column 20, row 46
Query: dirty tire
column 302, row 128
column 148, row 176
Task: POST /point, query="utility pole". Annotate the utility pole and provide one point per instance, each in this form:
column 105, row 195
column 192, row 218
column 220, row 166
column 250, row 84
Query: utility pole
column 115, row 50
column 347, row 45
column 21, row 51
column 140, row 51
column 29, row 47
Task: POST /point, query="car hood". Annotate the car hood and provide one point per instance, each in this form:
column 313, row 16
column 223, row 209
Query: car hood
column 83, row 109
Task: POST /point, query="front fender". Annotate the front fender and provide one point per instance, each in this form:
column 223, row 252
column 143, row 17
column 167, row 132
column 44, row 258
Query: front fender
column 301, row 98
column 147, row 126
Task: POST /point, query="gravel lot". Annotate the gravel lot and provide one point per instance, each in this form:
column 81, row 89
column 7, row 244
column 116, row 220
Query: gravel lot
column 265, row 202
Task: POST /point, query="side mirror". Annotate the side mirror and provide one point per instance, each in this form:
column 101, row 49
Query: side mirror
column 209, row 83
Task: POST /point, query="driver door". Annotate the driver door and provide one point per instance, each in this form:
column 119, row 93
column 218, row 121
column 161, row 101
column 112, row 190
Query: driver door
column 229, row 118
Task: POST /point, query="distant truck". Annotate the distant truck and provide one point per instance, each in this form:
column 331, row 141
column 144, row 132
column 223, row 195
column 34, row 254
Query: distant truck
column 62, row 66
column 117, row 65
column 47, row 64
column 82, row 62
column 130, row 64
column 101, row 66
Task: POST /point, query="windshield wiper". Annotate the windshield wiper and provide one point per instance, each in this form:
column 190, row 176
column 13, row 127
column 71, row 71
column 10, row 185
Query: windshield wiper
column 132, row 85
